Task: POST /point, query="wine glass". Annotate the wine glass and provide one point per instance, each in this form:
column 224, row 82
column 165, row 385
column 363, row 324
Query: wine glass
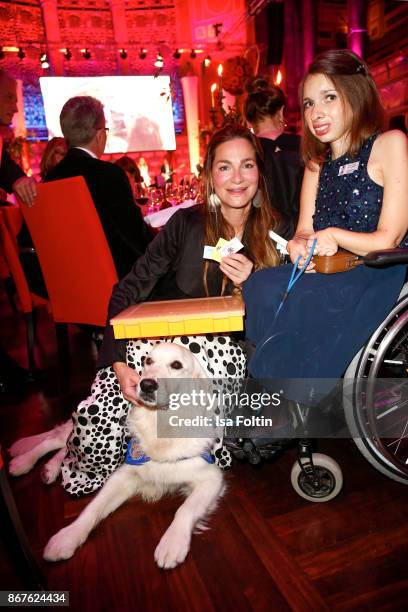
column 156, row 198
column 141, row 196
column 172, row 194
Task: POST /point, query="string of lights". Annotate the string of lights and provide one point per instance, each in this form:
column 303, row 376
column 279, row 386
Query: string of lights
column 158, row 55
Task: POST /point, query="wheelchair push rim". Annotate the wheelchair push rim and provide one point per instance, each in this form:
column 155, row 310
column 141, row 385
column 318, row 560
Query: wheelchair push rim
column 377, row 412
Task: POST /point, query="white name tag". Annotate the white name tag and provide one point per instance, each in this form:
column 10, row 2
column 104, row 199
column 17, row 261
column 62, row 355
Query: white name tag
column 348, row 168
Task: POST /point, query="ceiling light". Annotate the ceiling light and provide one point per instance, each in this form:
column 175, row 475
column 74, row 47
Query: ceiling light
column 67, row 53
column 159, row 60
column 44, row 61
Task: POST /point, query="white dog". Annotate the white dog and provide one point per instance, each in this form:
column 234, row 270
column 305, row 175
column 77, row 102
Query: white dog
column 157, row 466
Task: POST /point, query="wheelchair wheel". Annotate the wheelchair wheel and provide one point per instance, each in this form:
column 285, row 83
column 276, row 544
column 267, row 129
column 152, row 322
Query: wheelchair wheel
column 375, row 396
column 319, row 482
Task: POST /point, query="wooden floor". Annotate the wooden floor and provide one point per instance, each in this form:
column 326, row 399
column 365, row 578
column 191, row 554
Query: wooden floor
column 267, row 548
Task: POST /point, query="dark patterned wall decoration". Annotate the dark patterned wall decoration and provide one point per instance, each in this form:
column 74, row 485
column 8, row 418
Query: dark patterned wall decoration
column 87, row 24
column 34, row 112
column 178, row 105
column 21, row 21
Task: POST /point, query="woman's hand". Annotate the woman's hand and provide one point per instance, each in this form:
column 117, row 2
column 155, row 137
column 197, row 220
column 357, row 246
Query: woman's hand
column 298, row 247
column 326, row 242
column 128, row 380
column 237, row 267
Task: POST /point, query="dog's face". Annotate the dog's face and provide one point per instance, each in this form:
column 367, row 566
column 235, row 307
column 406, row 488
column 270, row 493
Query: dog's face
column 167, row 362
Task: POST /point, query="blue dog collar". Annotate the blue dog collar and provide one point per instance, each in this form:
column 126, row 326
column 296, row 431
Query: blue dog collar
column 136, row 456
column 208, row 457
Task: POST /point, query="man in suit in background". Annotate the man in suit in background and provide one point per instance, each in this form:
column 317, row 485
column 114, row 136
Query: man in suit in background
column 83, row 124
column 12, row 178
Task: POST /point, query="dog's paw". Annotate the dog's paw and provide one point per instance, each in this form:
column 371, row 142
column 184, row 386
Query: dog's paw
column 172, row 549
column 21, row 465
column 51, row 471
column 62, row 545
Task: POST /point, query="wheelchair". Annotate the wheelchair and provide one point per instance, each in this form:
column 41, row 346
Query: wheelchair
column 374, row 398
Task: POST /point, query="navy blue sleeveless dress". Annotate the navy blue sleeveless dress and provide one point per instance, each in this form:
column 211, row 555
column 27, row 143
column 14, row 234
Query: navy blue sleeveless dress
column 326, row 318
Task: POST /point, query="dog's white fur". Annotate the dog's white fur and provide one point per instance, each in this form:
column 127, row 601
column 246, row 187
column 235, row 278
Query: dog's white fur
column 167, row 471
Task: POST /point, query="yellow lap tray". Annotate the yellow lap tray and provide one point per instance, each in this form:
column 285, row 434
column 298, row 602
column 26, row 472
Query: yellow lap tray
column 180, row 317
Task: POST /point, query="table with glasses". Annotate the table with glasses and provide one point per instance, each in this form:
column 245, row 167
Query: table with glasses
column 158, row 205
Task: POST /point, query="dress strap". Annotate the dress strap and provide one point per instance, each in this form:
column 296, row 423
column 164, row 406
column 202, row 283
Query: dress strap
column 365, row 151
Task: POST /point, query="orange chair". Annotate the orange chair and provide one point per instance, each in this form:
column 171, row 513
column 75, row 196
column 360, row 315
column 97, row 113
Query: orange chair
column 5, row 277
column 10, row 217
column 74, row 256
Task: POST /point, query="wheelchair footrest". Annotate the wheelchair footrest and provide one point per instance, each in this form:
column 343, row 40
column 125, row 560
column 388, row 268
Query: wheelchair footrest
column 255, row 450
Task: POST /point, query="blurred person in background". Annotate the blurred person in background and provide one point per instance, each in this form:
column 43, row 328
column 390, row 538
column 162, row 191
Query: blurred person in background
column 264, row 112
column 54, row 152
column 12, row 177
column 131, row 169
column 144, row 171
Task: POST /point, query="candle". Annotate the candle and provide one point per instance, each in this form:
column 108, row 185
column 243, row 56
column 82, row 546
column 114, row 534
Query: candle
column 213, row 88
column 220, row 95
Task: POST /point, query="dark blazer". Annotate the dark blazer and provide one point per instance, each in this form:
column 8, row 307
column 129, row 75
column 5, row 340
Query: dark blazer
column 123, row 224
column 171, row 268
column 10, row 172
column 284, row 174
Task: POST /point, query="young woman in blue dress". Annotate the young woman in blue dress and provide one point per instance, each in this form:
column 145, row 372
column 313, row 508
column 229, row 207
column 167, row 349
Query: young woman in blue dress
column 341, row 112
column 355, row 197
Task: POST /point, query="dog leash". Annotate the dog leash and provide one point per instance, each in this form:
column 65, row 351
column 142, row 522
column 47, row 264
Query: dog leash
column 294, row 277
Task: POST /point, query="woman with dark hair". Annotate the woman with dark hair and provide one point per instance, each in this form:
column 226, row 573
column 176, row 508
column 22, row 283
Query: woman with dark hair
column 55, row 150
column 173, row 268
column 264, row 112
column 131, row 168
column 355, row 197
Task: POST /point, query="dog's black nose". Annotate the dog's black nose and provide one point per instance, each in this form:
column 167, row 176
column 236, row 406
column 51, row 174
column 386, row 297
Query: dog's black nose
column 149, row 385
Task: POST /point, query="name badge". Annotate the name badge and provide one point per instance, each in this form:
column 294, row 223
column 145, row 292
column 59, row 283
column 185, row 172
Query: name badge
column 348, row 168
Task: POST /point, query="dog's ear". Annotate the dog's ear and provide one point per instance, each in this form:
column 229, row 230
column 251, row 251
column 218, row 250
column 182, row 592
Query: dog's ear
column 198, row 370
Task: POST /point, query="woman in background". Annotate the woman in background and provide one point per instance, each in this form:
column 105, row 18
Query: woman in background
column 132, row 171
column 264, row 112
column 55, row 150
column 144, row 171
